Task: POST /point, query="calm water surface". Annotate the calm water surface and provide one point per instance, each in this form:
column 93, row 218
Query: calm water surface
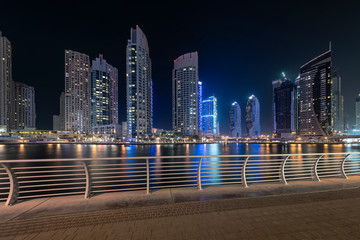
column 37, row 151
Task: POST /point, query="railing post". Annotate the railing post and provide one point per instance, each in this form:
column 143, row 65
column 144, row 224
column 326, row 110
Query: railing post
column 342, row 166
column 14, row 185
column 282, row 174
column 243, row 172
column 147, row 177
column 315, row 173
column 199, row 174
column 88, row 179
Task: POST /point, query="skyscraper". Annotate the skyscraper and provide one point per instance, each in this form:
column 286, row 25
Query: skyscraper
column 59, row 120
column 186, row 94
column 104, row 93
column 138, row 85
column 235, row 120
column 253, row 117
column 357, row 112
column 315, row 97
column 275, row 84
column 200, row 103
column 337, row 104
column 209, row 117
column 5, row 81
column 77, row 92
column 285, row 110
column 23, row 106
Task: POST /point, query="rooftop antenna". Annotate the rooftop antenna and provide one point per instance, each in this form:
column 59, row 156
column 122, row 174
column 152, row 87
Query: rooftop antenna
column 330, row 46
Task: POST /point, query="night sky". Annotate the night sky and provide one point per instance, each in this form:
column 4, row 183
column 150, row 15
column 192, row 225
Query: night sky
column 242, row 47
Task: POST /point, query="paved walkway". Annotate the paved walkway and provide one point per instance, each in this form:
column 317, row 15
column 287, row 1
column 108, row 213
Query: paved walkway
column 280, row 212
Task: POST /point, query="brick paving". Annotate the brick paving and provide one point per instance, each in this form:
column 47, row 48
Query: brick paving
column 319, row 215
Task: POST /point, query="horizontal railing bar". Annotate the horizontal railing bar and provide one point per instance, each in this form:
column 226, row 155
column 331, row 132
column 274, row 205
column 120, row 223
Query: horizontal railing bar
column 116, row 190
column 4, row 178
column 52, row 180
column 295, row 174
column 106, row 173
column 52, row 171
column 292, row 169
column 221, row 168
column 220, row 172
column 173, row 170
column 223, row 161
column 4, row 183
column 168, row 157
column 217, row 175
column 169, row 174
column 51, row 189
column 55, row 166
column 115, row 164
column 296, row 178
column 265, row 177
column 322, row 172
column 167, row 182
column 165, row 163
column 176, row 166
column 218, row 179
column 48, row 185
column 118, row 185
column 129, row 176
column 4, row 188
column 44, row 176
column 221, row 164
column 51, row 194
column 106, row 169
column 299, row 163
column 220, row 183
column 261, row 174
column 259, row 181
column 183, row 185
column 330, row 175
column 272, row 169
column 123, row 180
column 159, row 178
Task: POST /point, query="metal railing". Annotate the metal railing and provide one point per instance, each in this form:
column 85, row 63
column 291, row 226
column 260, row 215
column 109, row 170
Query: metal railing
column 32, row 178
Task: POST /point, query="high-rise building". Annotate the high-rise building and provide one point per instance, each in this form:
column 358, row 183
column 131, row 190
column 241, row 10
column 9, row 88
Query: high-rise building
column 285, row 109
column 23, row 106
column 186, row 94
column 200, row 103
column 357, row 112
column 104, row 93
column 235, row 120
column 59, row 120
column 5, row 81
column 315, row 97
column 275, row 84
column 77, row 92
column 337, row 104
column 253, row 117
column 209, row 117
column 138, row 85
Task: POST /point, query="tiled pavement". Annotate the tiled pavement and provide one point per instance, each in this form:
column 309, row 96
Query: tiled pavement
column 333, row 214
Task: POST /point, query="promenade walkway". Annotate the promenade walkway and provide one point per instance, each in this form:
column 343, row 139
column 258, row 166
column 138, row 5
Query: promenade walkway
column 301, row 210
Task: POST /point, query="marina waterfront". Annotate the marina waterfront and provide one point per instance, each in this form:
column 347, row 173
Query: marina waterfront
column 50, row 151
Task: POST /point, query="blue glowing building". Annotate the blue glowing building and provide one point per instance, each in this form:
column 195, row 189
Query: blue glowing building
column 235, row 120
column 209, row 117
column 253, row 117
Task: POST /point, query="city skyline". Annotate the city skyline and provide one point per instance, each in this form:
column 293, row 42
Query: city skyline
column 49, row 85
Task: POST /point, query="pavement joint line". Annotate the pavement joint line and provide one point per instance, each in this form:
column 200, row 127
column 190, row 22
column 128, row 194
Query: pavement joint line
column 47, row 199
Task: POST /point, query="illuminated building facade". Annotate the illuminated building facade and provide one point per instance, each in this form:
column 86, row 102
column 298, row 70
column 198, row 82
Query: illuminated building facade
column 235, row 120
column 23, row 106
column 253, row 117
column 104, row 93
column 5, row 81
column 337, row 104
column 315, row 97
column 200, row 103
column 59, row 120
column 209, row 117
column 77, row 92
column 357, row 112
column 285, row 108
column 139, row 91
column 186, row 94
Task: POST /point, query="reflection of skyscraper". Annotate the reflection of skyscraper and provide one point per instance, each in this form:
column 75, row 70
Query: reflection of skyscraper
column 315, row 97
column 337, row 103
column 5, row 81
column 357, row 112
column 285, row 101
column 104, row 93
column 138, row 85
column 253, row 117
column 235, row 120
column 77, row 92
column 186, row 90
column 209, row 117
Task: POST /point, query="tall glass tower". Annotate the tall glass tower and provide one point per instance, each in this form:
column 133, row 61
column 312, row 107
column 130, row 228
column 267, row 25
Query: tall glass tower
column 139, row 101
column 209, row 117
column 186, row 94
column 337, row 111
column 77, row 92
column 253, row 117
column 235, row 120
column 5, row 82
column 315, row 97
column 104, row 93
column 357, row 112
